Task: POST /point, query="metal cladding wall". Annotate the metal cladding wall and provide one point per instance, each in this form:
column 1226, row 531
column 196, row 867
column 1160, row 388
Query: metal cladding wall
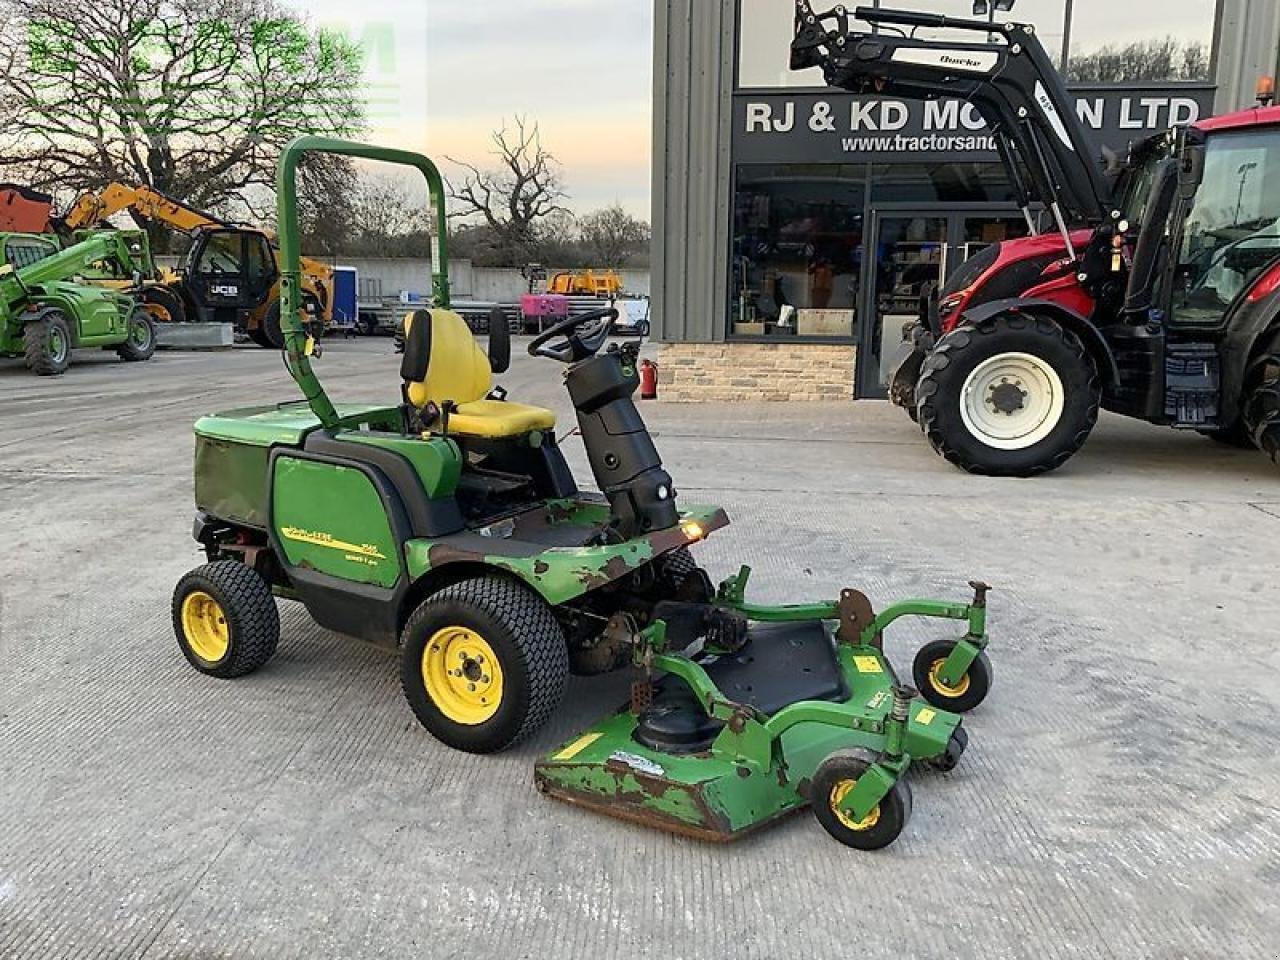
column 1246, row 46
column 694, row 43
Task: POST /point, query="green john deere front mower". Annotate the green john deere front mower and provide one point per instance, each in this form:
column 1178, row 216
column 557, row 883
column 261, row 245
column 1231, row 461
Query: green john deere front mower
column 449, row 524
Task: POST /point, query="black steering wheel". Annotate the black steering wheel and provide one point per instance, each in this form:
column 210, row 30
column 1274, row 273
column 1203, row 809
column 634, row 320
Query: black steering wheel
column 582, row 336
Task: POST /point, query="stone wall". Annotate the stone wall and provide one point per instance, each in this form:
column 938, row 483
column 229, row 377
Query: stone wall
column 689, row 372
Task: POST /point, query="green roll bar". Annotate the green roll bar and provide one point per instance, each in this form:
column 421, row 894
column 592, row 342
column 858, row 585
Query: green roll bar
column 297, row 352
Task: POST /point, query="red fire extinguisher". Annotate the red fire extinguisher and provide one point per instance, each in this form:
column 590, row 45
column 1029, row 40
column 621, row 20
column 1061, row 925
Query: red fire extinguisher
column 648, row 380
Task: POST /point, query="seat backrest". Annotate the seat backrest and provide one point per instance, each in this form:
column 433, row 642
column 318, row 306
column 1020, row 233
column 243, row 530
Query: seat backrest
column 442, row 360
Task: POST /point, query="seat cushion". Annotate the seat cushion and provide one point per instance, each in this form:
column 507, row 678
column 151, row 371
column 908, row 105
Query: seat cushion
column 498, row 418
column 455, row 367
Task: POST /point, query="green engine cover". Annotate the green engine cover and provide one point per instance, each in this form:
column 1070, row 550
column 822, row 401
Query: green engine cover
column 331, row 519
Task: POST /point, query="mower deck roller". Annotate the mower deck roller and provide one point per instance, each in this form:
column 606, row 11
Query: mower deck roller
column 449, row 527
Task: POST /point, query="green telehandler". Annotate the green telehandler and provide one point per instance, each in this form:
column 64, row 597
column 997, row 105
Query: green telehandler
column 45, row 311
column 450, row 526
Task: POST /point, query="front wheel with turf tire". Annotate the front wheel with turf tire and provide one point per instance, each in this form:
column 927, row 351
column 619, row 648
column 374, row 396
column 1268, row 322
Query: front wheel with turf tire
column 141, row 344
column 1015, row 397
column 965, row 695
column 225, row 619
column 46, row 343
column 483, row 664
column 836, row 776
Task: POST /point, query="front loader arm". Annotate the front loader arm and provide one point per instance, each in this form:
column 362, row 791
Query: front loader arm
column 1009, row 80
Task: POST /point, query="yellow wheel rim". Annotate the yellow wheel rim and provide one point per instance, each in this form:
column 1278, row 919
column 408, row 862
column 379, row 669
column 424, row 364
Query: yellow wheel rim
column 935, row 678
column 838, row 793
column 462, row 675
column 205, row 626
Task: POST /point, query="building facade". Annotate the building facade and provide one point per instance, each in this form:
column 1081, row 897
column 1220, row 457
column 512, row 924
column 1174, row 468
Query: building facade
column 795, row 226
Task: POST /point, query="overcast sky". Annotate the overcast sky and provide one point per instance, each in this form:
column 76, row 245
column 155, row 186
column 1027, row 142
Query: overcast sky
column 441, row 75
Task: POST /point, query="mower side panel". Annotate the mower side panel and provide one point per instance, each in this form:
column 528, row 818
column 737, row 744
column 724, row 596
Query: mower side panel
column 331, row 519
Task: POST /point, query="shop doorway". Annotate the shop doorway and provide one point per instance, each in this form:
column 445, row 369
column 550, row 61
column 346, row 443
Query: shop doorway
column 911, row 248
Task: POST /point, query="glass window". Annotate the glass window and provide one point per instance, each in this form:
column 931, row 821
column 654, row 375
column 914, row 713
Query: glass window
column 946, row 182
column 261, row 262
column 1114, row 42
column 765, row 29
column 221, row 254
column 1233, row 229
column 798, row 248
column 22, row 252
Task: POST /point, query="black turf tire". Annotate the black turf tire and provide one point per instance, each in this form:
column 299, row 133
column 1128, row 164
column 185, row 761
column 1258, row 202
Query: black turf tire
column 675, row 570
column 131, row 351
column 525, row 637
column 894, row 809
column 949, row 759
column 250, row 611
column 979, row 677
column 270, row 335
column 39, row 357
column 956, row 355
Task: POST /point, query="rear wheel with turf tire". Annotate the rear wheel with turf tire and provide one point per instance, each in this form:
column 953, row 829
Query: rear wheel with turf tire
column 46, row 343
column 836, row 776
column 141, row 343
column 682, row 576
column 225, row 619
column 483, row 664
column 1015, row 397
column 1262, row 410
column 972, row 688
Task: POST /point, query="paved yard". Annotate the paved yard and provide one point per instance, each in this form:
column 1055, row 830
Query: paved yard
column 1120, row 798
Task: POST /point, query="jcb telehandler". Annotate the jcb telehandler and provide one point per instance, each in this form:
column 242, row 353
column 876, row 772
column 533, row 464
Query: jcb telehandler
column 47, row 308
column 1157, row 296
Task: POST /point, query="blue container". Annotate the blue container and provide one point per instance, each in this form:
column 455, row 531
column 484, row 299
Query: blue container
column 345, row 296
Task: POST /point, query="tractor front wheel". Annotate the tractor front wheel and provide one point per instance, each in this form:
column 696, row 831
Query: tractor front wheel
column 1015, row 397
column 225, row 619
column 1262, row 410
column 835, row 778
column 141, row 344
column 483, row 664
column 46, row 342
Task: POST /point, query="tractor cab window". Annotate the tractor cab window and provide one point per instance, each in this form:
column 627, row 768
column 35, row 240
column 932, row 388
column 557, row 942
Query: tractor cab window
column 260, row 261
column 22, row 252
column 1233, row 228
column 221, row 254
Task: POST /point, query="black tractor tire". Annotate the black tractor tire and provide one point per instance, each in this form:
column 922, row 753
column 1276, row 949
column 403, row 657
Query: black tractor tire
column 141, row 344
column 882, row 826
column 1262, row 415
column 530, row 649
column 957, row 355
column 270, row 335
column 248, row 612
column 965, row 696
column 1235, row 435
column 46, row 343
column 682, row 578
column 163, row 304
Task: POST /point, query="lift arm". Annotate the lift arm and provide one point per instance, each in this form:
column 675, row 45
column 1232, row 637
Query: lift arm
column 1007, row 76
column 16, row 284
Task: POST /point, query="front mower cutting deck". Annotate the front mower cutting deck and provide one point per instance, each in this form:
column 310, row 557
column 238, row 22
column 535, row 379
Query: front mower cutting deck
column 806, row 710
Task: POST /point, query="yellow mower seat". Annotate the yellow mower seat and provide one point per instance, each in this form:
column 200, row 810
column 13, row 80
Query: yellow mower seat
column 443, row 363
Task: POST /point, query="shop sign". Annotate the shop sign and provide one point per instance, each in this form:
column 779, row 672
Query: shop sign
column 844, row 128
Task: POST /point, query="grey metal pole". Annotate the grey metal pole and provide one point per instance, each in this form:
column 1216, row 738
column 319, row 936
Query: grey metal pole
column 1066, row 38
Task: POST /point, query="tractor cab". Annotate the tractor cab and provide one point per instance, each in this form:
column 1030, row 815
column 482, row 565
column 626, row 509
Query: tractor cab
column 230, row 274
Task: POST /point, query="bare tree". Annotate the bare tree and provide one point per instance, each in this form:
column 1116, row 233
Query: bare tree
column 612, row 235
column 195, row 98
column 513, row 199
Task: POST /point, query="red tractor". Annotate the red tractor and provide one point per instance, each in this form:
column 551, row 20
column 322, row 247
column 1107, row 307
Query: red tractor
column 1156, row 296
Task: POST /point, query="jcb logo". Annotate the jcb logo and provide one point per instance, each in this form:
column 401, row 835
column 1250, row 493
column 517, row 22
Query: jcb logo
column 224, row 290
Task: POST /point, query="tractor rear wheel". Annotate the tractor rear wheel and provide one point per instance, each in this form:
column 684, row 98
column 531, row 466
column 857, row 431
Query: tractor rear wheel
column 835, row 777
column 1012, row 398
column 483, row 664
column 141, row 344
column 225, row 619
column 46, row 342
column 1262, row 412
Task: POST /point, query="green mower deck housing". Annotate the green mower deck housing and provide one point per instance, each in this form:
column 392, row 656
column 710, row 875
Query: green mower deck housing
column 46, row 311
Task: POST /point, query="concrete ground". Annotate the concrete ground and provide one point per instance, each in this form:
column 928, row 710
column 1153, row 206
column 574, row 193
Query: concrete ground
column 1119, row 797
